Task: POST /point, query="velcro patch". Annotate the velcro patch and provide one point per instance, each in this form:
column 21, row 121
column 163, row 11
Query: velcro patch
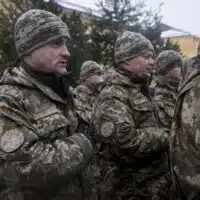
column 157, row 94
column 3, row 103
column 107, row 129
column 11, row 140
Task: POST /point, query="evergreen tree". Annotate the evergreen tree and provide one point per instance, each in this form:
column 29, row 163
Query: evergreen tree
column 117, row 16
column 153, row 32
column 97, row 44
column 78, row 45
column 151, row 28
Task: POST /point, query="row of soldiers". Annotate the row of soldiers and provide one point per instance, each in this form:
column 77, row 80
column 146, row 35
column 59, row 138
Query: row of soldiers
column 128, row 116
column 110, row 138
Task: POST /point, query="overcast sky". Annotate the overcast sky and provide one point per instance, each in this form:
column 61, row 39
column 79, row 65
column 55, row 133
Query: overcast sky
column 182, row 14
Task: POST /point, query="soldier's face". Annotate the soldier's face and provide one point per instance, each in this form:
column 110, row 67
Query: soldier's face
column 174, row 76
column 52, row 57
column 142, row 65
column 95, row 79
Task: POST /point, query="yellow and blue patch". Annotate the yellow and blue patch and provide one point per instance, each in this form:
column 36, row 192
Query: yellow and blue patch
column 155, row 94
column 3, row 103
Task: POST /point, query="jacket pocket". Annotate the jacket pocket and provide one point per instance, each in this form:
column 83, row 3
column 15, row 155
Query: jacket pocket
column 49, row 120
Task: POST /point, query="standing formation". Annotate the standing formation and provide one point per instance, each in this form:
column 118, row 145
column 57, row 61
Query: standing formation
column 128, row 132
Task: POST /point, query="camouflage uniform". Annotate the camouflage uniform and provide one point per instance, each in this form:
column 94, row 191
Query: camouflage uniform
column 41, row 156
column 165, row 95
column 185, row 69
column 132, row 146
column 84, row 95
column 184, row 140
column 84, row 98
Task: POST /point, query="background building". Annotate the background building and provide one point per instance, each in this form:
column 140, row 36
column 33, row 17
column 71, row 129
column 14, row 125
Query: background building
column 188, row 43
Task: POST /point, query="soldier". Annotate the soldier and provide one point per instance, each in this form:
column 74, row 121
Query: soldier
column 91, row 80
column 185, row 69
column 168, row 75
column 132, row 146
column 41, row 155
column 185, row 138
column 84, row 96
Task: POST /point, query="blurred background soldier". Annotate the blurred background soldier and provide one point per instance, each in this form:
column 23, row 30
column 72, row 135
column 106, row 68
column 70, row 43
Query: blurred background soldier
column 168, row 76
column 85, row 94
column 185, row 134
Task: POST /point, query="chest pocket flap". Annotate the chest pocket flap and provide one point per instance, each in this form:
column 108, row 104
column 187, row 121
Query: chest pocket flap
column 50, row 120
column 143, row 112
column 141, row 103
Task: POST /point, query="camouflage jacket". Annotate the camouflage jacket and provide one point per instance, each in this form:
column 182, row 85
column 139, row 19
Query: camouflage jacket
column 41, row 156
column 84, row 98
column 131, row 145
column 165, row 97
column 185, row 135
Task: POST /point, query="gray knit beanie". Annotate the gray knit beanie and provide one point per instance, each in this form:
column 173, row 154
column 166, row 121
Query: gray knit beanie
column 36, row 28
column 89, row 68
column 165, row 59
column 130, row 45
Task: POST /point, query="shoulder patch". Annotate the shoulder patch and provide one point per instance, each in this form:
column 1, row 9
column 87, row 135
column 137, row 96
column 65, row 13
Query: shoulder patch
column 3, row 103
column 157, row 93
column 11, row 140
column 107, row 129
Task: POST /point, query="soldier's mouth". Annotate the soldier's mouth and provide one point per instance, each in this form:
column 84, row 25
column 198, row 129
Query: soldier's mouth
column 63, row 62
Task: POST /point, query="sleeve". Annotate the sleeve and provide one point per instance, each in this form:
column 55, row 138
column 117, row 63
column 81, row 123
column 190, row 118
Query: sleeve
column 114, row 124
column 32, row 161
column 83, row 103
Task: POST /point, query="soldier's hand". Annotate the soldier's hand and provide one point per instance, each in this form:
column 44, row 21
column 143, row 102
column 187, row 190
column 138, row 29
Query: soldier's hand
column 84, row 143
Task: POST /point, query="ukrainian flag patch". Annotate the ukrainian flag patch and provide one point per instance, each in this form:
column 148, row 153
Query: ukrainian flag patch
column 3, row 103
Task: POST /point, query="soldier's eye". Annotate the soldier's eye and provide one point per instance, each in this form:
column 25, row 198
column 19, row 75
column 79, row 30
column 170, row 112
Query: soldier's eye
column 58, row 42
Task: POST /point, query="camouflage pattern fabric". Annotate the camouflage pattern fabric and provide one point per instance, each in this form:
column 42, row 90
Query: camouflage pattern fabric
column 40, row 157
column 130, row 45
column 36, row 28
column 184, row 138
column 185, row 69
column 165, row 97
column 90, row 68
column 132, row 147
column 84, row 98
column 85, row 94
